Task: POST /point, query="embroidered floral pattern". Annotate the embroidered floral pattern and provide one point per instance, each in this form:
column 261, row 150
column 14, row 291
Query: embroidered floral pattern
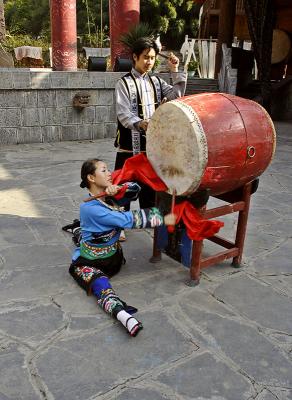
column 154, row 217
column 147, row 218
column 86, row 273
column 94, row 252
column 104, row 237
column 138, row 219
column 109, row 300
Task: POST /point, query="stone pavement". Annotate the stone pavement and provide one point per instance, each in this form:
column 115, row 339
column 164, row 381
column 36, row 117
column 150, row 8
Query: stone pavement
column 230, row 338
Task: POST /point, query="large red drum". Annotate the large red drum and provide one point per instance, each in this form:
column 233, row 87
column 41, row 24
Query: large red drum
column 210, row 141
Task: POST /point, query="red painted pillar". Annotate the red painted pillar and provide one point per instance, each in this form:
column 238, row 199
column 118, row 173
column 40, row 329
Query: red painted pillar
column 64, row 35
column 123, row 15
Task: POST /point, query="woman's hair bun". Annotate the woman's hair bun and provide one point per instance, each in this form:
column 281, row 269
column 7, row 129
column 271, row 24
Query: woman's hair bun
column 88, row 168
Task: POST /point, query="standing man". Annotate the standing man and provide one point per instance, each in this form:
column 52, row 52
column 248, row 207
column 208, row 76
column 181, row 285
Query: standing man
column 138, row 94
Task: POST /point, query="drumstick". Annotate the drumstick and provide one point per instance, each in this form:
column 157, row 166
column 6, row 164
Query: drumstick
column 170, row 228
column 97, row 196
column 94, row 197
column 173, row 201
column 164, row 56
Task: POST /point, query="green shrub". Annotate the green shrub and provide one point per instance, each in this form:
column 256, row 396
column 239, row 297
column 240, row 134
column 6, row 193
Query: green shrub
column 193, row 65
column 13, row 41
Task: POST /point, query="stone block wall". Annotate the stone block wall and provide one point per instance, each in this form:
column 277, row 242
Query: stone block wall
column 36, row 106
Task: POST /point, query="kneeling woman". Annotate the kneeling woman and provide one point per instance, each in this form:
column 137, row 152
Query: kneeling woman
column 100, row 255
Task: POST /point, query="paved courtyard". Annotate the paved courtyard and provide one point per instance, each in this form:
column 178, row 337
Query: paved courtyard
column 230, row 338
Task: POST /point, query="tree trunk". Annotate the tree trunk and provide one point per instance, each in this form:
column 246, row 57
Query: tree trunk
column 226, row 28
column 2, row 22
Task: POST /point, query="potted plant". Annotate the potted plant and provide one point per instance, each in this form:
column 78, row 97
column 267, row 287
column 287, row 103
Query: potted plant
column 192, row 67
column 136, row 32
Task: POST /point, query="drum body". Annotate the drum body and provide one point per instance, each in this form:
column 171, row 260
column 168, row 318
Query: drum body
column 212, row 141
column 281, row 46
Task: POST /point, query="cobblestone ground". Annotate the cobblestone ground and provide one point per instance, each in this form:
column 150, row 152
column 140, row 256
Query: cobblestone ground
column 229, row 338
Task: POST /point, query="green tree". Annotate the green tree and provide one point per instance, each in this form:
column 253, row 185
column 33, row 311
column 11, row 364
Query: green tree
column 32, row 17
column 28, row 17
column 89, row 21
column 172, row 18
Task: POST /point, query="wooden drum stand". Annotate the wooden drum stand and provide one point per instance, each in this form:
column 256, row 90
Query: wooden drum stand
column 239, row 201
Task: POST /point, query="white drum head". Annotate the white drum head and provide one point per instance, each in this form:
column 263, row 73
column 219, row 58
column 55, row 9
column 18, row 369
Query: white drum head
column 176, row 147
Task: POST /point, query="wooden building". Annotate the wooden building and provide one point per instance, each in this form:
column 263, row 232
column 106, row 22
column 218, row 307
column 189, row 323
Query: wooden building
column 282, row 37
column 210, row 20
column 268, row 25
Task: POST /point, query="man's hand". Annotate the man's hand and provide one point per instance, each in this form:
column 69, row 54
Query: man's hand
column 112, row 190
column 173, row 62
column 143, row 125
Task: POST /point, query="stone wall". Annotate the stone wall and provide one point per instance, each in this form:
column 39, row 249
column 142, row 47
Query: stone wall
column 36, row 106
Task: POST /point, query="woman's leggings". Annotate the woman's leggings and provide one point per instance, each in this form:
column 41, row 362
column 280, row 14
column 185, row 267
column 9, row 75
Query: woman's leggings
column 106, row 296
column 95, row 281
column 93, row 276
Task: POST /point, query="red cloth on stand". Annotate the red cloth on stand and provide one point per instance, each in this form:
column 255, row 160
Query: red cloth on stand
column 138, row 168
column 197, row 227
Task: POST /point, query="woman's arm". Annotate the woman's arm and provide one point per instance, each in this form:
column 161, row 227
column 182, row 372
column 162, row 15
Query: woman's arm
column 99, row 218
column 150, row 218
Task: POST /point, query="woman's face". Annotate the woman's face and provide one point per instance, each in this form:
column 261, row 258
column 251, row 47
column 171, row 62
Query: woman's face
column 102, row 177
column 145, row 62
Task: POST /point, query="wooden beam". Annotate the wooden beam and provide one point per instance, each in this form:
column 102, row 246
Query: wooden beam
column 226, row 28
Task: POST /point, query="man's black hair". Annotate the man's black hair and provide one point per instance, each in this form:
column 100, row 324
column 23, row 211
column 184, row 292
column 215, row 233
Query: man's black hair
column 144, row 43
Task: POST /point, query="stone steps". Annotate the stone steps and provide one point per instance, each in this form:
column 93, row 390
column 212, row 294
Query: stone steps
column 201, row 85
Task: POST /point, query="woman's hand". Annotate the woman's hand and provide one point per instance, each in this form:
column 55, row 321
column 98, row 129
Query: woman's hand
column 112, row 190
column 169, row 219
column 173, row 62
